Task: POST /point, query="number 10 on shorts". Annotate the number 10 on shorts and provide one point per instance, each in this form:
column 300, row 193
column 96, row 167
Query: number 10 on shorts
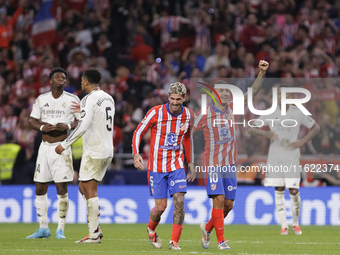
column 213, row 177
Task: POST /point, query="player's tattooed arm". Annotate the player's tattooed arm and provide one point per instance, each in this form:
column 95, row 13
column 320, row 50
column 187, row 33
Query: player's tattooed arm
column 257, row 85
column 178, row 216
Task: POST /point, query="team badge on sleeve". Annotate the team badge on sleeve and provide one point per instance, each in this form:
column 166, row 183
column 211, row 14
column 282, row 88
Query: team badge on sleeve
column 82, row 114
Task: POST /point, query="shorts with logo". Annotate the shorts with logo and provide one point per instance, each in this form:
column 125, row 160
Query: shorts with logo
column 221, row 181
column 287, row 173
column 162, row 184
column 93, row 168
column 51, row 166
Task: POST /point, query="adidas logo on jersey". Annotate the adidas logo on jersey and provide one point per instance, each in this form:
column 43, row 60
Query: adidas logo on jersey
column 65, row 178
column 46, row 105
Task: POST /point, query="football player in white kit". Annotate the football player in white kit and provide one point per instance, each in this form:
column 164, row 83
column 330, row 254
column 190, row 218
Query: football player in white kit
column 96, row 127
column 52, row 114
column 283, row 164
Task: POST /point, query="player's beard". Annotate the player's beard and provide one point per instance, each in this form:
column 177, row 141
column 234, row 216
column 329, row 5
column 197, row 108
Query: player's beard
column 178, row 107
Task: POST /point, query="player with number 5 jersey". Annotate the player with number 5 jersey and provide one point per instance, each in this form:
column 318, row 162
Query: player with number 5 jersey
column 96, row 127
column 170, row 126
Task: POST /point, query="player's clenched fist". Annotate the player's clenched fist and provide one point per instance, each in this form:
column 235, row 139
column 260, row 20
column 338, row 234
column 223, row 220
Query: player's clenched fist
column 263, row 65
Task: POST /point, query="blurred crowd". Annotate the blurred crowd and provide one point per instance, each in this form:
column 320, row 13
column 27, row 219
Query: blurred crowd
column 141, row 46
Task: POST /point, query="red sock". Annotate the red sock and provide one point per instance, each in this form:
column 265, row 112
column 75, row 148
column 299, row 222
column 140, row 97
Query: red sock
column 176, row 232
column 218, row 216
column 210, row 225
column 152, row 225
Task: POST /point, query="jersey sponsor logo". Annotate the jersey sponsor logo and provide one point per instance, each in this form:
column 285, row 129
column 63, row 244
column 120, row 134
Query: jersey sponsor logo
column 171, row 138
column 213, row 186
column 172, row 183
column 82, row 114
column 164, row 147
column 224, row 132
column 225, row 141
column 58, row 112
column 231, row 188
column 46, row 105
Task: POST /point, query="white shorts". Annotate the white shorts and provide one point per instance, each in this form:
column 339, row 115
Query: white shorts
column 92, row 168
column 51, row 166
column 283, row 173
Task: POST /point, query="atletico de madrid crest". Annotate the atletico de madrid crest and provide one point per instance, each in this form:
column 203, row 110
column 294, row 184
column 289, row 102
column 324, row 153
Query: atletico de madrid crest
column 183, row 126
column 213, row 186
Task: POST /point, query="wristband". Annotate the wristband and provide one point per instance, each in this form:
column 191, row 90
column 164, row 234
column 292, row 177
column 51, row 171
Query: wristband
column 41, row 127
column 69, row 126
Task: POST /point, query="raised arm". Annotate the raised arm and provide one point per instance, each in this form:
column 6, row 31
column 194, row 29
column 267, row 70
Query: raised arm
column 257, row 85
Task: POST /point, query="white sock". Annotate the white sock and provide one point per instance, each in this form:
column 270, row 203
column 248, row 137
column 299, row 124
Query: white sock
column 281, row 207
column 93, row 213
column 296, row 205
column 41, row 205
column 63, row 205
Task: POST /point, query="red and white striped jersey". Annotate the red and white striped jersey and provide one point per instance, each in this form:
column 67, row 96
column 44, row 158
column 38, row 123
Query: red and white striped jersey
column 170, row 137
column 219, row 136
column 168, row 25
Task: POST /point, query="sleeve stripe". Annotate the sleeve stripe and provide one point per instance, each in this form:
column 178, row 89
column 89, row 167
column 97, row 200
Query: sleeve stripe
column 78, row 126
column 141, row 129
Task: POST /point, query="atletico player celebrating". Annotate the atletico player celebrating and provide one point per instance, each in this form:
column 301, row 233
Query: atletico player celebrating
column 170, row 126
column 219, row 157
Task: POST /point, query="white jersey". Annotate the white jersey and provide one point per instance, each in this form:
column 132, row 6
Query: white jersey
column 55, row 110
column 95, row 125
column 279, row 150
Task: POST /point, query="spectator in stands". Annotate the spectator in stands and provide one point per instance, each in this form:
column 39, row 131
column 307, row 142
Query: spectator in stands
column 6, row 26
column 214, row 61
column 140, row 51
column 8, row 122
column 252, row 34
column 324, row 142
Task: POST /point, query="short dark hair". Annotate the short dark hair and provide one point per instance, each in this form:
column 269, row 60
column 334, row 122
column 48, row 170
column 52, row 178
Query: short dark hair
column 218, row 82
column 93, row 75
column 57, row 70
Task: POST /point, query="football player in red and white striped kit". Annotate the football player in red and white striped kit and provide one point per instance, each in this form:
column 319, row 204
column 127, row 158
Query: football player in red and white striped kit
column 219, row 157
column 170, row 126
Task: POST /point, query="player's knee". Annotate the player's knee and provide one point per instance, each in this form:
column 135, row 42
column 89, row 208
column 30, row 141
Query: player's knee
column 61, row 190
column 228, row 208
column 40, row 191
column 160, row 209
column 293, row 191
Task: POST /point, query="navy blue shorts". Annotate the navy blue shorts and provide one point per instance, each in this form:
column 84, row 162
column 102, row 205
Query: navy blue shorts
column 221, row 181
column 162, row 184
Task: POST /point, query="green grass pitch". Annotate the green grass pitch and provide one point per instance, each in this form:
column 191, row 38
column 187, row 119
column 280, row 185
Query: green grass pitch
column 133, row 239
